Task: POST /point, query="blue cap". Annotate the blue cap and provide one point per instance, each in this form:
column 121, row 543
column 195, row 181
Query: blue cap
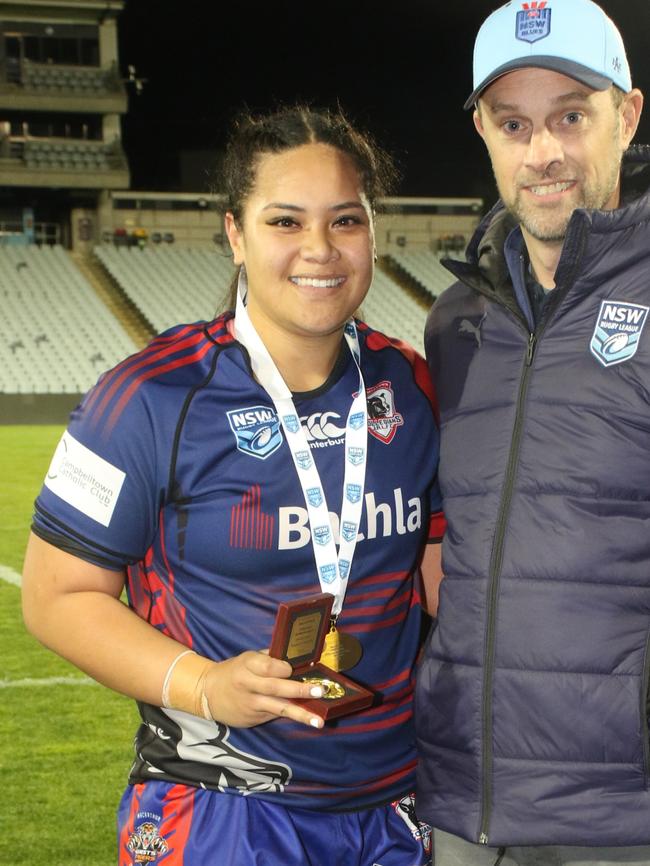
column 573, row 37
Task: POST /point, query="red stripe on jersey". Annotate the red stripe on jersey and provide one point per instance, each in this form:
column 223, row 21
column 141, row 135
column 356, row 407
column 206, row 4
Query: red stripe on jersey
column 160, row 349
column 364, row 786
column 437, row 525
column 375, row 626
column 378, row 610
column 177, row 811
column 395, row 577
column 250, row 527
column 156, row 350
column 366, row 727
column 124, row 856
column 153, row 598
column 157, row 371
column 393, row 681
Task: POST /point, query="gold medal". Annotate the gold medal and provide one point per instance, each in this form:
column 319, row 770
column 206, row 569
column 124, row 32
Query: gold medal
column 331, row 689
column 341, row 651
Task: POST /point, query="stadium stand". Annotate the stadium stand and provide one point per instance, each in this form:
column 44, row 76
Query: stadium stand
column 73, row 156
column 59, row 78
column 170, row 285
column 56, row 336
column 389, row 308
column 424, row 267
column 182, row 284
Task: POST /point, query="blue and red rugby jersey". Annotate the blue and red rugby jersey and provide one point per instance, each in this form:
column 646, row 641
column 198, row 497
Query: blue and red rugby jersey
column 175, row 467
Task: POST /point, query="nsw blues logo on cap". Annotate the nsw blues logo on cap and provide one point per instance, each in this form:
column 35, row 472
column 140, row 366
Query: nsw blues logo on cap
column 533, row 22
column 617, row 332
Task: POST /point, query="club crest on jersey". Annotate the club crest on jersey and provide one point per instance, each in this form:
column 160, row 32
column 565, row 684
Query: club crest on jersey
column 617, row 331
column 314, row 496
column 348, row 530
column 145, row 844
column 291, row 423
column 303, row 459
column 353, row 492
column 383, row 419
column 322, row 534
column 344, row 568
column 256, row 429
column 328, row 573
column 533, row 22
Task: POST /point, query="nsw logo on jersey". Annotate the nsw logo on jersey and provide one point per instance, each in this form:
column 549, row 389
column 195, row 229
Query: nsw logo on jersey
column 383, row 419
column 617, row 331
column 257, row 430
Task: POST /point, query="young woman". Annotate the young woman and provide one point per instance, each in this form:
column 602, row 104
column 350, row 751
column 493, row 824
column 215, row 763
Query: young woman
column 231, row 466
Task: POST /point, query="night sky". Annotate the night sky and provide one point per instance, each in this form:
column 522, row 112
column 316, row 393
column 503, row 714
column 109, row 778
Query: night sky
column 400, row 69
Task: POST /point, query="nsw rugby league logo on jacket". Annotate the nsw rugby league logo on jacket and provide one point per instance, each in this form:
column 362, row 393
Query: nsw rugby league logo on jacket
column 617, row 331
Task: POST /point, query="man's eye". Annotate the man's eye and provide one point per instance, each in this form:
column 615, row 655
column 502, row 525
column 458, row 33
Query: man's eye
column 512, row 126
column 573, row 117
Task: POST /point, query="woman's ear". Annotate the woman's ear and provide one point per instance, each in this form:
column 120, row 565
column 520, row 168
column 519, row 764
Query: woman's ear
column 235, row 238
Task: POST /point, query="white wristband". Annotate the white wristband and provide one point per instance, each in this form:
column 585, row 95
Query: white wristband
column 168, row 677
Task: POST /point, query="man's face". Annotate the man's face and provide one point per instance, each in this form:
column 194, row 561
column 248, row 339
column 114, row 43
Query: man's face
column 555, row 145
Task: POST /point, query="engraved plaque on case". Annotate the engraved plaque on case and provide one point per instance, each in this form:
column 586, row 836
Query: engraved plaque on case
column 303, row 636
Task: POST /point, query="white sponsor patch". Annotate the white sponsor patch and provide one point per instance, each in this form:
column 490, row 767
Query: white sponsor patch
column 84, row 480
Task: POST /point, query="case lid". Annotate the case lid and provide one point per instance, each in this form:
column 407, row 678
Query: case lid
column 300, row 630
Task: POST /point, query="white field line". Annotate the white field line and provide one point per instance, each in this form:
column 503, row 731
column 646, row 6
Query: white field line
column 11, row 576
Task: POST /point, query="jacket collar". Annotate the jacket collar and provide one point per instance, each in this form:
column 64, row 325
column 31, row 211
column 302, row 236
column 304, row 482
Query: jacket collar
column 485, row 268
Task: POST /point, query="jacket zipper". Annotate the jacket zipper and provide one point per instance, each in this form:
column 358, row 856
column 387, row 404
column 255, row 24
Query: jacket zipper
column 494, row 574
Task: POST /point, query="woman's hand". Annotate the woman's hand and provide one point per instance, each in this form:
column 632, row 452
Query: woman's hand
column 253, row 688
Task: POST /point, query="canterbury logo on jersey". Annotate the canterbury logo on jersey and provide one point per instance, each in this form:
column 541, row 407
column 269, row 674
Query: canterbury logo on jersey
column 382, row 519
column 323, row 429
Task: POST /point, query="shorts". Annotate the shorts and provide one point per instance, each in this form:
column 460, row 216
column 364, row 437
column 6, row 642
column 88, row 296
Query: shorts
column 178, row 825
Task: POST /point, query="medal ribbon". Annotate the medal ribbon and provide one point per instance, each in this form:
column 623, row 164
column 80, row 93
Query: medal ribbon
column 333, row 568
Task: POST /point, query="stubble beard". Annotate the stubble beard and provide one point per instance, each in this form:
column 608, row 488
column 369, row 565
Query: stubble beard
column 550, row 224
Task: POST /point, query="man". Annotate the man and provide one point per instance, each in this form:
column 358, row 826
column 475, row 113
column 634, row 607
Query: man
column 533, row 693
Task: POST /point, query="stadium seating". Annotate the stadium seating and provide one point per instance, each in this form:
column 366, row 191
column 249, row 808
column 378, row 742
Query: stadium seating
column 56, row 336
column 71, row 155
column 53, row 78
column 181, row 284
column 170, row 285
column 390, row 309
column 424, row 267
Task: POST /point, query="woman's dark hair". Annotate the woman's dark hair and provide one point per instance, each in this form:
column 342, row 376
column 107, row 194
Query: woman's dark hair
column 253, row 136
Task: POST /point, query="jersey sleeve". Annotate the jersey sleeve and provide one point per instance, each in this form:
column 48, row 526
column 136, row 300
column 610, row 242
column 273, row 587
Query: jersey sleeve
column 100, row 498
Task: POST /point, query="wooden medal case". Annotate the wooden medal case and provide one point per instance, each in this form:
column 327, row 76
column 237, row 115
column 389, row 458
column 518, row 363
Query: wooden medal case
column 299, row 634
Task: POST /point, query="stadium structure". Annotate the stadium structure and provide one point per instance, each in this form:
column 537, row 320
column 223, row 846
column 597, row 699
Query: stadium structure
column 90, row 270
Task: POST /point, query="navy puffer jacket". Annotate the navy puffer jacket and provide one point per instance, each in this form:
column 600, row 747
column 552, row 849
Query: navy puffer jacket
column 532, row 697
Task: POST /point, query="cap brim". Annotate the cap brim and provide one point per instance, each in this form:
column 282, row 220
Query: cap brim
column 556, row 64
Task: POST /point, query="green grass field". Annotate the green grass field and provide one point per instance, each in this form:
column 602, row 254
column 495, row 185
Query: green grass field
column 65, row 748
